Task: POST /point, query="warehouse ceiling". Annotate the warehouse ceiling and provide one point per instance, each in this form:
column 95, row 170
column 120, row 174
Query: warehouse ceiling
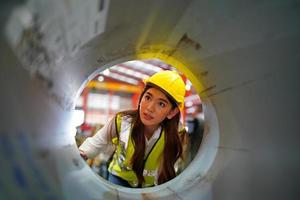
column 133, row 72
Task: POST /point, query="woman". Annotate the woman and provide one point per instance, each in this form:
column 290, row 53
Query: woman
column 148, row 140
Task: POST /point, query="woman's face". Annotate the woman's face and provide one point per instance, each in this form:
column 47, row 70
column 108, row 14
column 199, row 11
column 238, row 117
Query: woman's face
column 155, row 107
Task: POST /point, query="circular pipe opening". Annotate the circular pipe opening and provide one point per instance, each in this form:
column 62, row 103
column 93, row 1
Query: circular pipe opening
column 196, row 170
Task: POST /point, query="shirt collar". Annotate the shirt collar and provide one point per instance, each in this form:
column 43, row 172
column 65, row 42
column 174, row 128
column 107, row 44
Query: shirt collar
column 155, row 135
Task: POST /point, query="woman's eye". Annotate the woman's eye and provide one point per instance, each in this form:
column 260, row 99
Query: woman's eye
column 161, row 104
column 147, row 97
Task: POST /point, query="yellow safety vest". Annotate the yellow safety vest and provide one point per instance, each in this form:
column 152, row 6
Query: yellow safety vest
column 120, row 164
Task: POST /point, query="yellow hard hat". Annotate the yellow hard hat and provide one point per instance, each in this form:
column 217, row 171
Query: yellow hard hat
column 171, row 82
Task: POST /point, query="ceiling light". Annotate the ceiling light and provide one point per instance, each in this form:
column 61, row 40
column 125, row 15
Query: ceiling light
column 106, row 72
column 100, row 78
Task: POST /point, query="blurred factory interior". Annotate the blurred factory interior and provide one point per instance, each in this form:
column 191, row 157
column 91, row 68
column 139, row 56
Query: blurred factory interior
column 68, row 66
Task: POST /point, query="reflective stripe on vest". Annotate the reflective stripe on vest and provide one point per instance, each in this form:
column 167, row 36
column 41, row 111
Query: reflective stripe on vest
column 120, row 165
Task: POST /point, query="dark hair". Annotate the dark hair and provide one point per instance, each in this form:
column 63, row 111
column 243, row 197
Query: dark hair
column 172, row 149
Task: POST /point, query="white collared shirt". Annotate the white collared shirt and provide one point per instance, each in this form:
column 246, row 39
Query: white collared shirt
column 150, row 143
